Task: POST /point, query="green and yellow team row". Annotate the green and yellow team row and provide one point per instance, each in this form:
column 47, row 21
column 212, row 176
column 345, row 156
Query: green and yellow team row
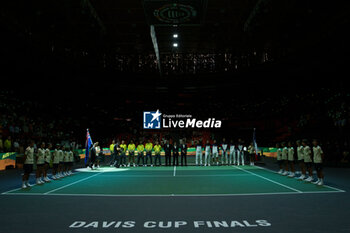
column 131, row 148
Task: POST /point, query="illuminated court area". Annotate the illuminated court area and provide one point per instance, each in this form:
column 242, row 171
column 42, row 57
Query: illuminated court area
column 175, row 199
column 175, row 181
column 103, row 84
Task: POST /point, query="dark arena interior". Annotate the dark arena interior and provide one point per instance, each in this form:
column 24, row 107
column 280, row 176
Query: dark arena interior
column 174, row 116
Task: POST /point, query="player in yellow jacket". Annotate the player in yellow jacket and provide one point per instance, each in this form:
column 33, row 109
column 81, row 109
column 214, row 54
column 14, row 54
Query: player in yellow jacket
column 140, row 151
column 123, row 149
column 157, row 149
column 131, row 149
column 149, row 147
column 112, row 162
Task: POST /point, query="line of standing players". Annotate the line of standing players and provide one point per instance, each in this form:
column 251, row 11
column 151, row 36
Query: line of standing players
column 306, row 158
column 142, row 154
column 61, row 159
column 224, row 153
column 214, row 154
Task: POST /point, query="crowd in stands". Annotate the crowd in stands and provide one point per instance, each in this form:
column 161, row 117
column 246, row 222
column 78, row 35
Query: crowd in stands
column 177, row 63
column 20, row 122
column 322, row 114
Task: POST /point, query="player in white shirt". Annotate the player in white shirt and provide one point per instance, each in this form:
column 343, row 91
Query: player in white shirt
column 240, row 153
column 224, row 148
column 55, row 162
column 232, row 156
column 245, row 151
column 98, row 153
column 66, row 161
column 215, row 151
column 291, row 160
column 300, row 154
column 199, row 157
column 207, row 158
column 285, row 158
column 251, row 151
column 318, row 161
column 28, row 164
column 48, row 158
column 279, row 158
column 40, row 161
column 61, row 164
column 308, row 160
column 70, row 161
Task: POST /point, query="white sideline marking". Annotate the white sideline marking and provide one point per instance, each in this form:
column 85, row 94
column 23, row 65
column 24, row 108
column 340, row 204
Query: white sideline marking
column 339, row 190
column 13, row 190
column 275, row 182
column 267, row 169
column 205, row 175
column 174, row 170
column 170, row 195
column 67, row 185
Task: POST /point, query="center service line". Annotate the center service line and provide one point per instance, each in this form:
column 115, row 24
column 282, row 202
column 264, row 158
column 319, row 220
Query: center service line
column 78, row 181
column 174, row 170
column 286, row 186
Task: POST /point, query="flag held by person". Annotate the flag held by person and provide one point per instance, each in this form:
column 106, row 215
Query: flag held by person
column 255, row 145
column 88, row 144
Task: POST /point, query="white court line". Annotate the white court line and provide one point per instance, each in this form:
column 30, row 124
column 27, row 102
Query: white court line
column 339, row 190
column 222, row 175
column 106, row 174
column 78, row 181
column 262, row 177
column 267, row 169
column 174, row 170
column 50, row 174
column 16, row 189
column 13, row 190
column 170, row 195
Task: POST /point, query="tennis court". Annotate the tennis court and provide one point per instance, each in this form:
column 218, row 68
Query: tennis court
column 175, row 181
column 175, row 199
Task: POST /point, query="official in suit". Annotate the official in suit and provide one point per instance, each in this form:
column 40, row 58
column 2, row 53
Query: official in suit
column 183, row 148
column 167, row 149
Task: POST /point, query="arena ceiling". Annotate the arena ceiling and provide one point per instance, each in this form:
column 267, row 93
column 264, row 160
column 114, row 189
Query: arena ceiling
column 241, row 28
column 124, row 25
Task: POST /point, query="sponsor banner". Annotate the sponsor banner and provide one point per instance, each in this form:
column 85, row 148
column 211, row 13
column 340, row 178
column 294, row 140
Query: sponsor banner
column 105, row 151
column 7, row 159
column 269, row 151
